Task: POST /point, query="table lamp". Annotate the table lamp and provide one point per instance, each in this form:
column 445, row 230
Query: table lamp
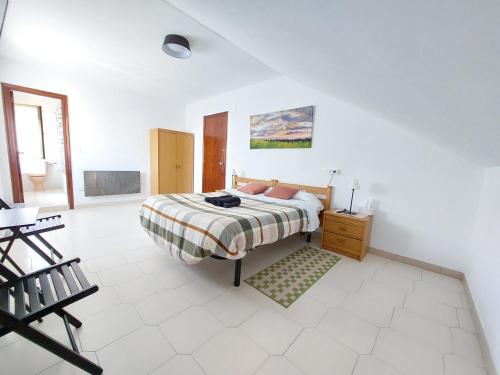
column 353, row 185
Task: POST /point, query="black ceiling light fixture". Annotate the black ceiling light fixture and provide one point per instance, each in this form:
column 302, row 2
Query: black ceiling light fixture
column 176, row 46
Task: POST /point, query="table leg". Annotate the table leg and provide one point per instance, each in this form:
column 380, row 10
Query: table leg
column 5, row 253
column 36, row 249
column 11, row 261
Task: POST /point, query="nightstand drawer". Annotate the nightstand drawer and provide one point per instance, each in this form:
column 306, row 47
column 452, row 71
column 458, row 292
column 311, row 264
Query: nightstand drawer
column 333, row 241
column 346, row 220
column 344, row 229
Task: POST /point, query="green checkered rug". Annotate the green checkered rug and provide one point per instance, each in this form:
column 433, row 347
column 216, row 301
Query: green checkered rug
column 287, row 279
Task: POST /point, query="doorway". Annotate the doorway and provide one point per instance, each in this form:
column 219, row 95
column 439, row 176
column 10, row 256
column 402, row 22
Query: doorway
column 37, row 128
column 214, row 151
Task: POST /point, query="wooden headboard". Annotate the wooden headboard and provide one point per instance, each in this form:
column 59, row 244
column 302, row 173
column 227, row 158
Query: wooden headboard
column 324, row 194
column 238, row 181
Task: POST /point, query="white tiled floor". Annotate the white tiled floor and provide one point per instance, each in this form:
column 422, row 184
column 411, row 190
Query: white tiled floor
column 46, row 198
column 155, row 315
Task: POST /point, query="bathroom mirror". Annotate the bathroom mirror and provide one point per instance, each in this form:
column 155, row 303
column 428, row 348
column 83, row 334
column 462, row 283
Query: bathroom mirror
column 29, row 131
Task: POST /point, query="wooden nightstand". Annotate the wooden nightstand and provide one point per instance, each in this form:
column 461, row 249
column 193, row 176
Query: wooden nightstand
column 346, row 234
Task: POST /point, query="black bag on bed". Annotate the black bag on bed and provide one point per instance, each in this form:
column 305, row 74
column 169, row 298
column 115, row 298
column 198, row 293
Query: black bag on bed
column 225, row 201
column 212, row 200
column 232, row 203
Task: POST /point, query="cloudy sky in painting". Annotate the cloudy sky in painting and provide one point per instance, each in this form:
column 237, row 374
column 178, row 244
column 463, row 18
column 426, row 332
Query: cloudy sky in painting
column 285, row 125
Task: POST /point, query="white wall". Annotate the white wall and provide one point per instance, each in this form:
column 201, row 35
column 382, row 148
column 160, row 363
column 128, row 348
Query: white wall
column 109, row 126
column 421, row 190
column 484, row 260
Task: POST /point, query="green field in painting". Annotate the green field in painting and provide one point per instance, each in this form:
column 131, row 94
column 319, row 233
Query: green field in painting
column 267, row 143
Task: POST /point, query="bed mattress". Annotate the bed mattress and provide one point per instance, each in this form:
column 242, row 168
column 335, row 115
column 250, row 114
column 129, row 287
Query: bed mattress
column 191, row 229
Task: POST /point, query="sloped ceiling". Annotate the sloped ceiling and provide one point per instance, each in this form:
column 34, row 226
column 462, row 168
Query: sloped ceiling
column 432, row 66
column 118, row 42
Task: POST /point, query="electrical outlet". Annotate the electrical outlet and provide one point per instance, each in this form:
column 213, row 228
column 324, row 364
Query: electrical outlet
column 331, row 172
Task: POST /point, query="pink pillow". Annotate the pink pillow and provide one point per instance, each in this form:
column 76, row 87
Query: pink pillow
column 282, row 192
column 253, row 188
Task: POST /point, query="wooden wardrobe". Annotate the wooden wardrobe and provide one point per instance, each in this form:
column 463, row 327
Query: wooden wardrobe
column 172, row 167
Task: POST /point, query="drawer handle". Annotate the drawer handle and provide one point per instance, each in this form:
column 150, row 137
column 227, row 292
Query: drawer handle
column 343, row 228
column 340, row 240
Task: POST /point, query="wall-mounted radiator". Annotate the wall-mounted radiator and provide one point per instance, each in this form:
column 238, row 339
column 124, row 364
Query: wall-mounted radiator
column 99, row 183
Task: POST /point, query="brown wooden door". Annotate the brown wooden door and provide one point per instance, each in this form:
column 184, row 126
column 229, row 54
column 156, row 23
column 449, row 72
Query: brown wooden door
column 185, row 164
column 14, row 164
column 214, row 151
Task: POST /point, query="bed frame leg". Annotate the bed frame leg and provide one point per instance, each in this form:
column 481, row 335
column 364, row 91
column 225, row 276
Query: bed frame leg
column 237, row 272
column 308, row 236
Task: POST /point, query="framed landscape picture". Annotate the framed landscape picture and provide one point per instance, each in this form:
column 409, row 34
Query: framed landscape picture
column 284, row 129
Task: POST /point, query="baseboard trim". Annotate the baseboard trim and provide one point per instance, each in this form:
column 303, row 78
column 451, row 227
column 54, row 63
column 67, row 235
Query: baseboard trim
column 108, row 203
column 54, row 208
column 418, row 263
column 483, row 342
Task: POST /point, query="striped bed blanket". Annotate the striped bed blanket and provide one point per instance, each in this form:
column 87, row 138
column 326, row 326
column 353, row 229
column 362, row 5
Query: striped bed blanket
column 192, row 229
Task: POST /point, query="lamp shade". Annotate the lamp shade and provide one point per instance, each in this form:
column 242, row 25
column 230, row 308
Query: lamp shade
column 176, row 46
column 354, row 184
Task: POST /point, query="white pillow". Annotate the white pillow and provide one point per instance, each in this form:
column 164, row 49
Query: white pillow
column 308, row 197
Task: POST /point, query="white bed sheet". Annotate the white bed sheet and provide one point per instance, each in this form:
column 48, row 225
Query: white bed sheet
column 312, row 213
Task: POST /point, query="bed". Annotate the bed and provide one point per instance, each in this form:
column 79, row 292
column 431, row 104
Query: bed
column 191, row 229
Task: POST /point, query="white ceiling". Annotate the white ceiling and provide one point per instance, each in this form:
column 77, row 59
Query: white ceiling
column 118, row 42
column 432, row 66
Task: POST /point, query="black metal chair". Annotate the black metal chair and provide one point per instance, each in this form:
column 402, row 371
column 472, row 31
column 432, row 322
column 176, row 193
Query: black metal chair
column 24, row 299
column 42, row 225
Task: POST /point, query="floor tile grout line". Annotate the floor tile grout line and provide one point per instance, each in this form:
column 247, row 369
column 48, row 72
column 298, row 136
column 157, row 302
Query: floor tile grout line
column 327, row 306
column 199, row 364
column 436, row 300
column 426, row 317
column 333, row 339
column 163, row 363
column 164, row 320
column 356, row 363
column 261, row 365
column 64, row 361
column 474, row 364
column 170, row 342
column 375, row 341
column 360, row 317
column 294, row 340
column 51, row 366
column 172, row 358
column 417, row 341
column 103, row 310
column 197, row 346
column 302, row 328
column 241, row 323
column 322, row 318
column 115, row 340
column 389, row 364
